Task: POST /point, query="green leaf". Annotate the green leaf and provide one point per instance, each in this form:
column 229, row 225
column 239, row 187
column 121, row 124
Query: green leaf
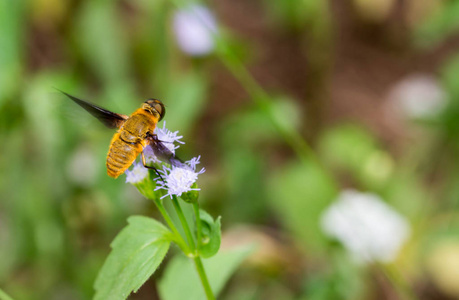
column 211, row 234
column 186, row 98
column 353, row 149
column 443, row 22
column 299, row 194
column 4, row 296
column 100, row 35
column 180, row 280
column 137, row 252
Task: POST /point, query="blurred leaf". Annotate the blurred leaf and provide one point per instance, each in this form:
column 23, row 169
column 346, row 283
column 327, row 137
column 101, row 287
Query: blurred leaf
column 406, row 193
column 136, row 253
column 41, row 104
column 343, row 281
column 450, row 76
column 211, row 234
column 180, row 280
column 298, row 196
column 293, row 13
column 4, row 296
column 244, row 172
column 185, row 102
column 443, row 22
column 247, row 139
column 355, row 150
column 103, row 40
column 11, row 38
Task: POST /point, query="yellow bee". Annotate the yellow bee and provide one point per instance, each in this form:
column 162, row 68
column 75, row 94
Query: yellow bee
column 135, row 132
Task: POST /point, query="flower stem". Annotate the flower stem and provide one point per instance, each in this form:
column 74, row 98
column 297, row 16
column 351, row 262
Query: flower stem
column 178, row 237
column 198, row 224
column 203, row 277
column 196, row 258
column 182, row 219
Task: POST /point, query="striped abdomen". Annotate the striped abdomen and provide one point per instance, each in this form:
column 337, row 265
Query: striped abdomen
column 121, row 155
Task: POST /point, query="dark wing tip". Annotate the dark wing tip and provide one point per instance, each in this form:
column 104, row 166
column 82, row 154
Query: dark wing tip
column 108, row 118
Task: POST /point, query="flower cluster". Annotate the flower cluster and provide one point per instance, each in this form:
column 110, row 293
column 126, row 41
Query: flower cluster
column 177, row 178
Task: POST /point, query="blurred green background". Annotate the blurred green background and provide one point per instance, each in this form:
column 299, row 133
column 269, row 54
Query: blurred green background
column 298, row 100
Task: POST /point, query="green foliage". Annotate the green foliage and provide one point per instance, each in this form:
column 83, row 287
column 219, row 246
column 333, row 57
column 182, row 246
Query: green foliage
column 210, row 235
column 441, row 24
column 180, row 278
column 136, row 253
column 352, row 149
column 54, row 228
column 185, row 100
column 298, row 195
column 101, row 38
column 11, row 35
column 4, row 296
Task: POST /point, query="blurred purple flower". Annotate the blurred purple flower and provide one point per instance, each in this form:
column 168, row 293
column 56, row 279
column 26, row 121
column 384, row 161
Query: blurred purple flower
column 194, row 28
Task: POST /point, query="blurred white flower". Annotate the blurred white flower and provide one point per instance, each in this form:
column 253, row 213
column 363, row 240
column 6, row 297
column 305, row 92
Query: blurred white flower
column 194, row 28
column 81, row 167
column 178, row 180
column 369, row 228
column 137, row 174
column 417, row 96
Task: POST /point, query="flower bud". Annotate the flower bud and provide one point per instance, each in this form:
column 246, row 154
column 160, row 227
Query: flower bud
column 192, row 195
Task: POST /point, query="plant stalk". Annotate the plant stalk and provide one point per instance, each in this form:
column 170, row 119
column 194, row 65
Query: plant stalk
column 178, row 237
column 196, row 258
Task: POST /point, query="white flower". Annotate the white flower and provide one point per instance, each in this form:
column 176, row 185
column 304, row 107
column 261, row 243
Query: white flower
column 417, row 96
column 194, row 28
column 178, row 180
column 138, row 173
column 369, row 228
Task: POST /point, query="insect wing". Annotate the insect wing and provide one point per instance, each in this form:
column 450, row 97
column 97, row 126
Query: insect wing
column 108, row 118
column 166, row 155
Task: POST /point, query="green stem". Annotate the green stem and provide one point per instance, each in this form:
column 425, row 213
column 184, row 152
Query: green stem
column 4, row 296
column 186, row 228
column 196, row 258
column 198, row 223
column 178, row 237
column 203, row 277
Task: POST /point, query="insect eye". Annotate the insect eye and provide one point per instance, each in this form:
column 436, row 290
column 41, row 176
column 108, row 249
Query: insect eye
column 160, row 109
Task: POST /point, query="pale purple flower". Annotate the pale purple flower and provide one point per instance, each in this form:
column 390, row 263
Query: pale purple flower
column 194, row 29
column 175, row 179
column 179, row 180
column 168, row 138
column 368, row 228
column 137, row 174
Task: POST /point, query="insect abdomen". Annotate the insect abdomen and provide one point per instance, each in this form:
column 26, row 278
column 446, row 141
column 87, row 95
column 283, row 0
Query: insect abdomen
column 121, row 155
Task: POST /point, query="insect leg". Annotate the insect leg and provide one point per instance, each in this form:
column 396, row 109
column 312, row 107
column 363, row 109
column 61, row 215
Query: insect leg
column 151, row 168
